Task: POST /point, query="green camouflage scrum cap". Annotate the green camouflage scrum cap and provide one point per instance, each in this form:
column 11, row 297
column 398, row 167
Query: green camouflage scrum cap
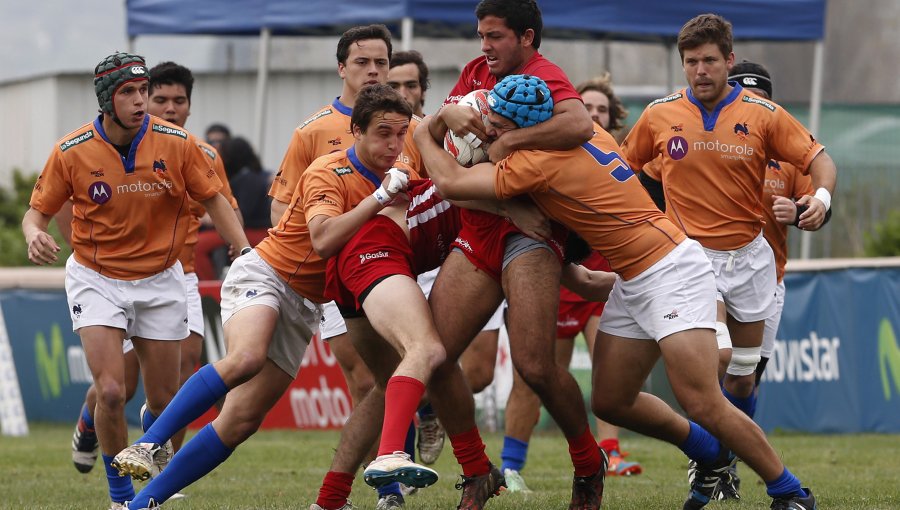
column 113, row 72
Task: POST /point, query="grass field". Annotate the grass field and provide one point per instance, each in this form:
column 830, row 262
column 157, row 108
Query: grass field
column 283, row 469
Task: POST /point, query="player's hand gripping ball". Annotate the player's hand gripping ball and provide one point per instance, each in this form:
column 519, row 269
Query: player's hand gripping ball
column 469, row 150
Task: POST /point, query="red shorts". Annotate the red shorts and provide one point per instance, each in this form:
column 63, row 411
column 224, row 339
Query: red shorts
column 573, row 317
column 482, row 240
column 378, row 250
column 574, row 311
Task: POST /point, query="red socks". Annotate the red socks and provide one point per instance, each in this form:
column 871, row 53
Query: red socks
column 335, row 490
column 585, row 454
column 469, row 451
column 401, row 398
column 610, row 445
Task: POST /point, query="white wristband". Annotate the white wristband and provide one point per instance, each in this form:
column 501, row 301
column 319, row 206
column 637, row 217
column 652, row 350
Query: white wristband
column 823, row 195
column 382, row 197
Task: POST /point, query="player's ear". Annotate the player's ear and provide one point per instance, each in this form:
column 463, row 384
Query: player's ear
column 528, row 37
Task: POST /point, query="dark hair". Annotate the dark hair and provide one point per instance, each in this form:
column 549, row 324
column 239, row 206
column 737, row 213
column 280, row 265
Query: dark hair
column 218, row 128
column 603, row 85
column 705, row 28
column 237, row 154
column 412, row 57
column 520, row 15
column 170, row 73
column 752, row 75
column 362, row 33
column 375, row 99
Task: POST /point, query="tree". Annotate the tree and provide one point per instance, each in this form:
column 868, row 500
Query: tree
column 13, row 204
column 884, row 241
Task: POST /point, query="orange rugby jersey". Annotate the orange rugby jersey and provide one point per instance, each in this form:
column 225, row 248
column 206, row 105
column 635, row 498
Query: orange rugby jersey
column 713, row 165
column 130, row 214
column 593, row 192
column 197, row 211
column 785, row 180
column 327, row 131
column 332, row 185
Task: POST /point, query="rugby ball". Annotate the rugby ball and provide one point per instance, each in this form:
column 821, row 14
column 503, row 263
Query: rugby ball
column 469, row 150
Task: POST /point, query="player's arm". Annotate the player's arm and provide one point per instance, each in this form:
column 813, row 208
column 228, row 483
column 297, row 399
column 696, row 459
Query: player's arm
column 226, row 221
column 42, row 248
column 569, row 127
column 460, row 119
column 589, row 284
column 277, row 211
column 454, row 181
column 823, row 172
column 63, row 220
column 329, row 234
column 654, row 189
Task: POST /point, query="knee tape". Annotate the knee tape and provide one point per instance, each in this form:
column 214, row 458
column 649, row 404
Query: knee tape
column 744, row 360
column 723, row 338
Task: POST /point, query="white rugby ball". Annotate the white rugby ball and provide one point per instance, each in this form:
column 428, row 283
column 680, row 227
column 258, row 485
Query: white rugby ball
column 469, row 150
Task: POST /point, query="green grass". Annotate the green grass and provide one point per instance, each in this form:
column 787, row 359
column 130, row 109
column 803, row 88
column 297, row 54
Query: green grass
column 283, row 469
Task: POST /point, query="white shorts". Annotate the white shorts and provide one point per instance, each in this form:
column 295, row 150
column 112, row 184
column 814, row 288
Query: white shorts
column 675, row 294
column 194, row 305
column 127, row 346
column 426, row 281
column 154, row 308
column 251, row 281
column 332, row 323
column 772, row 322
column 746, row 279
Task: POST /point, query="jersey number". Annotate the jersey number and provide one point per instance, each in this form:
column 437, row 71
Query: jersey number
column 622, row 172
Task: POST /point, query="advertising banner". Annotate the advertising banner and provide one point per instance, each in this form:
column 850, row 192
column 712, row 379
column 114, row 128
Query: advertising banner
column 836, row 363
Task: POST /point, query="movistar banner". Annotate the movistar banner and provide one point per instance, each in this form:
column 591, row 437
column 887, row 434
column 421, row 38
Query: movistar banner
column 836, row 364
column 50, row 363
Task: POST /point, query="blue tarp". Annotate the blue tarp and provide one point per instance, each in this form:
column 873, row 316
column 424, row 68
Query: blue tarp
column 797, row 20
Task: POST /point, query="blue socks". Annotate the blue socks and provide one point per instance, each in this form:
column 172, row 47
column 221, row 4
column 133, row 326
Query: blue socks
column 120, row 488
column 147, row 420
column 197, row 458
column 391, row 488
column 785, row 485
column 86, row 417
column 410, row 445
column 514, row 454
column 198, row 394
column 747, row 404
column 700, row 445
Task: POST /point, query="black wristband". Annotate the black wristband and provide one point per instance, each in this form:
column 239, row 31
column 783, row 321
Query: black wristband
column 800, row 210
column 246, row 249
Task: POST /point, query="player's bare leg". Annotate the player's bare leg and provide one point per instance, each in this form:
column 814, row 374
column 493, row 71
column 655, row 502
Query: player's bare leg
column 479, row 359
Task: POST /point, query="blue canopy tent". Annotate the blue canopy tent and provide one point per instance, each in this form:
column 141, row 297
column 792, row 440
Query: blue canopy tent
column 638, row 20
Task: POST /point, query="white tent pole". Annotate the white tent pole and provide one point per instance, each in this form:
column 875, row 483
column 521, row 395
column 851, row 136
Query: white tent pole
column 262, row 82
column 130, row 44
column 406, row 33
column 815, row 113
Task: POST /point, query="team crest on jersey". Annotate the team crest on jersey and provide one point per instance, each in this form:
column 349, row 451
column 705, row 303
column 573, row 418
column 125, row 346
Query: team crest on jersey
column 677, row 147
column 667, row 99
column 335, row 141
column 344, row 170
column 166, row 130
column 159, row 167
column 741, row 130
column 97, row 173
column 678, row 128
column 761, row 102
column 100, row 192
column 72, row 142
column 327, row 111
column 774, row 165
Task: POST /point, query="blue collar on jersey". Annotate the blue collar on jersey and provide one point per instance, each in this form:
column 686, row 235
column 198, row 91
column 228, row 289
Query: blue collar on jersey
column 354, row 160
column 709, row 119
column 341, row 107
column 128, row 162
